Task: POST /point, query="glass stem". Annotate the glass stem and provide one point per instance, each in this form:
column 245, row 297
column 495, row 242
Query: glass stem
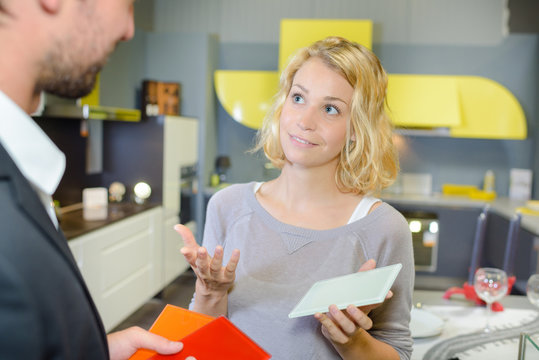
column 489, row 313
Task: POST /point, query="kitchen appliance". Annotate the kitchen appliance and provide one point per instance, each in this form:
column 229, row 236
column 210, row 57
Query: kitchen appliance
column 425, row 229
column 188, row 190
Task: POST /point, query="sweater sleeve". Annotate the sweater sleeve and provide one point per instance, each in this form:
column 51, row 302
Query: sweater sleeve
column 215, row 224
column 391, row 320
column 213, row 233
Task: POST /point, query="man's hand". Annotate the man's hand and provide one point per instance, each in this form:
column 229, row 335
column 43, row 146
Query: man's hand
column 123, row 344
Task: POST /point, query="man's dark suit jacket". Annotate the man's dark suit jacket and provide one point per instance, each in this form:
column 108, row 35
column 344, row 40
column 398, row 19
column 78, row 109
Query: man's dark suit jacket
column 46, row 311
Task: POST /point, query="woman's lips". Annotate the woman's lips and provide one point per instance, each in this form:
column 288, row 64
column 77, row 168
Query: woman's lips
column 301, row 140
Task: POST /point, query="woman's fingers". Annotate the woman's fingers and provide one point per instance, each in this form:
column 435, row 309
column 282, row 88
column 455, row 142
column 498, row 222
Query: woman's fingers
column 340, row 326
column 211, row 273
column 217, row 262
column 187, row 236
column 344, row 322
column 368, row 265
column 190, row 255
column 359, row 317
column 203, row 263
column 230, row 270
column 190, row 246
column 330, row 329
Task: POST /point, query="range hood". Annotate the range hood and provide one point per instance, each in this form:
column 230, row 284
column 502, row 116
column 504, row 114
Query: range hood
column 54, row 106
column 455, row 106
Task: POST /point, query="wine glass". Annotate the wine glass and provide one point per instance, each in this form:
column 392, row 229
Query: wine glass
column 532, row 289
column 490, row 284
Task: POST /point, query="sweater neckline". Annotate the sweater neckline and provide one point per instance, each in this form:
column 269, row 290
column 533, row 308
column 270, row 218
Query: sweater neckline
column 285, row 228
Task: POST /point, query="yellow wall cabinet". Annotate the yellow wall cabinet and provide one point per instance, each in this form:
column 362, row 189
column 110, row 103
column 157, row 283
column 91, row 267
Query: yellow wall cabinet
column 456, row 106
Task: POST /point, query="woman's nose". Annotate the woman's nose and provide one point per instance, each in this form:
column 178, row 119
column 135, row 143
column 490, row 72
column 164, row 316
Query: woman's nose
column 307, row 119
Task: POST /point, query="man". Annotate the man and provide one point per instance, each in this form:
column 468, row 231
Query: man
column 46, row 311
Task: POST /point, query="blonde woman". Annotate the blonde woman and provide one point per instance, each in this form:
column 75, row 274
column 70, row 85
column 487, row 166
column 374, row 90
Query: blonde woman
column 330, row 136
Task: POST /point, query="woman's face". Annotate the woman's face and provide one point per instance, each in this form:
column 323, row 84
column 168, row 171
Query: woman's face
column 315, row 116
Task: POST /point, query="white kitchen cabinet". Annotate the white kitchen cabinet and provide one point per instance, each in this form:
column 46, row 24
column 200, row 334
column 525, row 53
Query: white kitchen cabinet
column 180, row 144
column 127, row 262
column 122, row 264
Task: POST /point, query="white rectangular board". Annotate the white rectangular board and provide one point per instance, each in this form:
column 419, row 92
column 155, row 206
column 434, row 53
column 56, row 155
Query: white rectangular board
column 359, row 289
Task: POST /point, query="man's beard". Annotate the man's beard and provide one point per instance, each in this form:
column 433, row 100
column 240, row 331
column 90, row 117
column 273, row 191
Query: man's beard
column 69, row 84
column 65, row 73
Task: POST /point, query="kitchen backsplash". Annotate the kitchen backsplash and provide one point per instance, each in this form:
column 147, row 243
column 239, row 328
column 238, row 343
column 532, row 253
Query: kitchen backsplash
column 132, row 152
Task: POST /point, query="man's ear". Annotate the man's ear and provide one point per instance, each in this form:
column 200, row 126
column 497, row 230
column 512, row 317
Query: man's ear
column 51, row 6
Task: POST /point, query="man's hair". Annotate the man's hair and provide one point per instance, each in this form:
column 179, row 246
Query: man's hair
column 370, row 162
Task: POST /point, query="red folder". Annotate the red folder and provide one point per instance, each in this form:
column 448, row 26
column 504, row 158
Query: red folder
column 174, row 323
column 219, row 339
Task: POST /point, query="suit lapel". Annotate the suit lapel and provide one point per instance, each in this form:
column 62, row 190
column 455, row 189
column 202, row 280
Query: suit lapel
column 30, row 203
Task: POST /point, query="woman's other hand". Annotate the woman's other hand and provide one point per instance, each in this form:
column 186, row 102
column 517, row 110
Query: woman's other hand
column 338, row 326
column 213, row 279
column 370, row 265
column 346, row 329
column 190, row 246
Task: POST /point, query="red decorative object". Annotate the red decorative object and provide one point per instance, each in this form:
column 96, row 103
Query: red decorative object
column 470, row 294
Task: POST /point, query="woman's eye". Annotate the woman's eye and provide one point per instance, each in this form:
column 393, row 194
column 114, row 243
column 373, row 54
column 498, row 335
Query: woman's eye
column 331, row 110
column 298, row 99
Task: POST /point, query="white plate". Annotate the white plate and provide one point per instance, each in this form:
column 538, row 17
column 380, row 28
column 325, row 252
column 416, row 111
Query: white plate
column 425, row 324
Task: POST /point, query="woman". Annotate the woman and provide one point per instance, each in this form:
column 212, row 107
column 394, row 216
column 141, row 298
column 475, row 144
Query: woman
column 330, row 136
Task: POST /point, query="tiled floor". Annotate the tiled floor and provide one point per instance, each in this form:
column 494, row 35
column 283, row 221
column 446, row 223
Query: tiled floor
column 178, row 292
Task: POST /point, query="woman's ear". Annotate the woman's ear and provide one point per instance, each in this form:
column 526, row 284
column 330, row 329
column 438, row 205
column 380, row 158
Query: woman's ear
column 353, row 137
column 51, row 6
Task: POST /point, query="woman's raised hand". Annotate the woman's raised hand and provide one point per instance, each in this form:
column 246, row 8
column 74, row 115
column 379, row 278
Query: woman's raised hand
column 212, row 276
column 190, row 246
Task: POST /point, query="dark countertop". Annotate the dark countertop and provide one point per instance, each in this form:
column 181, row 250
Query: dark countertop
column 73, row 224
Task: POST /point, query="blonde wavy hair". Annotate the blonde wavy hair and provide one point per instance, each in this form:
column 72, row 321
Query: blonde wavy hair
column 368, row 163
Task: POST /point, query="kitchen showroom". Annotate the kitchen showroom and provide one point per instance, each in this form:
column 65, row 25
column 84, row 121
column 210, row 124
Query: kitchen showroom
column 463, row 97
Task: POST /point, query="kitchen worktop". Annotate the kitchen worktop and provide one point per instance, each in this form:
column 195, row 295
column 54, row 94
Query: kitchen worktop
column 504, row 207
column 73, row 224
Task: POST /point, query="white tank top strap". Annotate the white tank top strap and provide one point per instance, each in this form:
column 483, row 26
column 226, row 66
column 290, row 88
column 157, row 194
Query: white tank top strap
column 257, row 186
column 362, row 209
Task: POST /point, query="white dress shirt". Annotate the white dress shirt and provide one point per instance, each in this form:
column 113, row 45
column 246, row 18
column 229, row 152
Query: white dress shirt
column 36, row 156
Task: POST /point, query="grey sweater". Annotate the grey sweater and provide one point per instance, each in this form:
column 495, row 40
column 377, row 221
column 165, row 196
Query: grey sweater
column 279, row 263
